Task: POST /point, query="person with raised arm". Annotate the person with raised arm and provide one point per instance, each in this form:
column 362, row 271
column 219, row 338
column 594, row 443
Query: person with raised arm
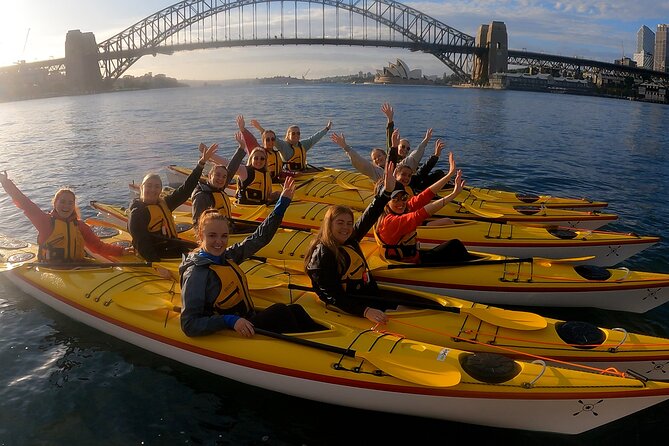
column 396, row 233
column 211, row 193
column 274, row 164
column 336, row 264
column 150, row 220
column 214, row 290
column 373, row 169
column 402, row 150
column 61, row 234
column 293, row 149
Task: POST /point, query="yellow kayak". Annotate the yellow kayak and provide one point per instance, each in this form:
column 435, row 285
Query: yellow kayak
column 495, row 279
column 354, row 180
column 328, row 191
column 342, row 364
column 451, row 322
column 597, row 247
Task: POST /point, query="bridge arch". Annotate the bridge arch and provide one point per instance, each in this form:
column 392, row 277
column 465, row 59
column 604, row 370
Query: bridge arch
column 197, row 24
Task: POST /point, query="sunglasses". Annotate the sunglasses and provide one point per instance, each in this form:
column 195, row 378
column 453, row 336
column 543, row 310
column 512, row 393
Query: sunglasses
column 295, row 133
column 272, row 138
column 401, row 198
column 258, row 158
column 402, row 146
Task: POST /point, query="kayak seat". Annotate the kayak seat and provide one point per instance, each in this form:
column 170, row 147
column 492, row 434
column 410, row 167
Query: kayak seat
column 528, row 210
column 580, row 334
column 527, row 198
column 489, row 367
column 104, row 231
column 592, row 272
column 183, row 227
column 564, row 234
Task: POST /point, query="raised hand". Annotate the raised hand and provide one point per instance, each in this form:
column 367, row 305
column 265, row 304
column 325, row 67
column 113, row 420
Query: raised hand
column 288, row 187
column 459, row 183
column 387, row 110
column 328, row 126
column 428, row 136
column 389, row 177
column 451, row 163
column 208, row 152
column 438, row 147
column 240, row 122
column 338, row 139
column 239, row 137
column 256, row 124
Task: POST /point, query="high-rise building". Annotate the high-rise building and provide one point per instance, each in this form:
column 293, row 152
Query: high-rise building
column 661, row 54
column 645, row 40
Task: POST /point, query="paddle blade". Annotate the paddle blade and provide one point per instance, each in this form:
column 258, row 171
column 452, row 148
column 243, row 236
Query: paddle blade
column 516, row 320
column 434, row 373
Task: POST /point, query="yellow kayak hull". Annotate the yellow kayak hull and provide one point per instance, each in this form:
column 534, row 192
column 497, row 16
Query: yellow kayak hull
column 341, row 364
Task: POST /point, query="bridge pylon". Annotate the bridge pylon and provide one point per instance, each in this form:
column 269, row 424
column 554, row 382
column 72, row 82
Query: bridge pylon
column 495, row 39
column 81, row 60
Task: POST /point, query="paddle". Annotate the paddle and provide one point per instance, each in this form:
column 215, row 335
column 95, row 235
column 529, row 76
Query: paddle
column 516, row 320
column 544, row 261
column 442, row 374
column 71, row 265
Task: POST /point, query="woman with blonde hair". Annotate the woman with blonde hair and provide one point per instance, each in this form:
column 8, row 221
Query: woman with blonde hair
column 254, row 182
column 150, row 220
column 336, row 264
column 61, row 234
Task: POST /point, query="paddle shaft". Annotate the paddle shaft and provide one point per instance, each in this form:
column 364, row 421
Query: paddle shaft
column 462, row 263
column 90, row 264
column 408, row 302
column 306, row 342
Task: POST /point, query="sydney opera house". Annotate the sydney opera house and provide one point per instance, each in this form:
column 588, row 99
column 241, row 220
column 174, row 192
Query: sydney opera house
column 399, row 73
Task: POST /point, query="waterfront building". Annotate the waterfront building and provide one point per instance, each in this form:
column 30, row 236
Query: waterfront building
column 661, row 50
column 540, row 82
column 399, row 73
column 645, row 40
column 644, row 60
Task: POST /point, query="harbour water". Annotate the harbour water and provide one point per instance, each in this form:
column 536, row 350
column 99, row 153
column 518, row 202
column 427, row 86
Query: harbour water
column 62, row 383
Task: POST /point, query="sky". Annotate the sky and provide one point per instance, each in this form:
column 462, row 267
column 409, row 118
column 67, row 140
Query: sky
column 604, row 30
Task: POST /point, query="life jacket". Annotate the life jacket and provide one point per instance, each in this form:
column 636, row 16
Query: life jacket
column 274, row 164
column 356, row 276
column 221, row 203
column 64, row 244
column 405, row 250
column 257, row 187
column 299, row 159
column 234, row 296
column 161, row 220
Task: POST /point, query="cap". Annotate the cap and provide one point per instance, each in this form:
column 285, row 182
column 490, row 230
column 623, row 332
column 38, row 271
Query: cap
column 397, row 192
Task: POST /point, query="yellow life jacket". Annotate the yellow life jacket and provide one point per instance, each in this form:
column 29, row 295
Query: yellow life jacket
column 257, row 187
column 405, row 250
column 234, row 295
column 356, row 275
column 221, row 203
column 274, row 164
column 161, row 220
column 299, row 159
column 64, row 244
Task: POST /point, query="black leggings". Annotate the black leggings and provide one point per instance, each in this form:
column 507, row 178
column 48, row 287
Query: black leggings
column 282, row 318
column 450, row 251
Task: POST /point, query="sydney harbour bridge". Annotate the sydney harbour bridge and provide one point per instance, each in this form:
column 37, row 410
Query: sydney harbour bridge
column 89, row 66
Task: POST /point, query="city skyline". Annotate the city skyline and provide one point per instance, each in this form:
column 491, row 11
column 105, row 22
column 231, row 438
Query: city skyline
column 583, row 28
